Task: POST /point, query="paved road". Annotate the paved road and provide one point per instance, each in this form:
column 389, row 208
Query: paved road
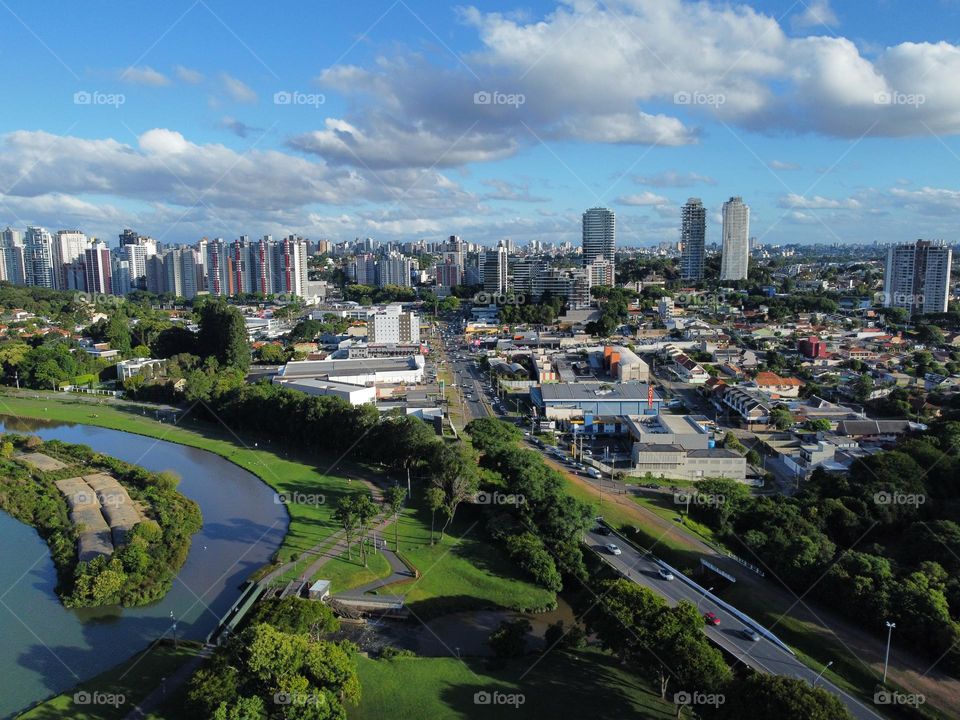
column 762, row 655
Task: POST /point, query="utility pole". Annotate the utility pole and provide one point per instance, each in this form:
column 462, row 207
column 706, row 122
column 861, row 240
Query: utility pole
column 886, row 660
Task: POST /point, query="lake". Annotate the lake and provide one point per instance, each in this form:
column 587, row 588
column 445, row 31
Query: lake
column 48, row 648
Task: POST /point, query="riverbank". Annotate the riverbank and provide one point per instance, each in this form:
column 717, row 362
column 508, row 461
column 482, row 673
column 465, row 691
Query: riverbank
column 117, row 533
column 309, row 492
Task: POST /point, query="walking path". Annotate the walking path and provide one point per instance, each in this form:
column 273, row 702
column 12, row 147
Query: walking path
column 168, row 685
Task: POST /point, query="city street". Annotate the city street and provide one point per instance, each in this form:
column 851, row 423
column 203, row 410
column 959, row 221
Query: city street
column 762, row 655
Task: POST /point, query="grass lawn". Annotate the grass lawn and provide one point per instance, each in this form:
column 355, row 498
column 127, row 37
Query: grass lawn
column 346, row 574
column 134, row 685
column 309, row 524
column 588, row 684
column 467, row 570
column 663, row 506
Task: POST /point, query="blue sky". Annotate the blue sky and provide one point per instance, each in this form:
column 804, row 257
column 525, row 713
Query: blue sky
column 836, row 123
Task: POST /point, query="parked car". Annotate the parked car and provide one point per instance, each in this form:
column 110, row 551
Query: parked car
column 711, row 619
column 614, row 549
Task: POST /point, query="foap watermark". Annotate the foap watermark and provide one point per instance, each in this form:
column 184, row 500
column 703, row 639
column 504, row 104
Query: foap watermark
column 498, row 498
column 84, row 697
column 894, row 97
column 698, row 498
column 490, row 298
column 495, row 697
column 495, row 97
column 297, row 699
column 684, row 698
column 700, row 299
column 896, row 497
column 295, row 97
column 698, row 97
column 893, row 697
column 98, row 300
column 905, row 300
column 299, row 498
column 95, row 97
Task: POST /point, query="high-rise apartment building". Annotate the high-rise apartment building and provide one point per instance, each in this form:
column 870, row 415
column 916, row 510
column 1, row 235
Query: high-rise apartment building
column 394, row 269
column 917, row 277
column 69, row 246
column 38, row 258
column 693, row 236
column 495, row 265
column 734, row 263
column 599, row 236
column 12, row 267
column 98, row 268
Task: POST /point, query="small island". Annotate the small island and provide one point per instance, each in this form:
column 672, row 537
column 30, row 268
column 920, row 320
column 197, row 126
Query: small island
column 118, row 534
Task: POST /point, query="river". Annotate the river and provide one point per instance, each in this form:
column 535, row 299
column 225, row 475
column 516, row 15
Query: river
column 48, row 648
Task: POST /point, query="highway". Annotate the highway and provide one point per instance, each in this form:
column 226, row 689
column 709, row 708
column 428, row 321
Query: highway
column 762, row 655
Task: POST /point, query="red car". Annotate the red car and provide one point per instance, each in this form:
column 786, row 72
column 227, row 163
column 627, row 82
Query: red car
column 711, row 619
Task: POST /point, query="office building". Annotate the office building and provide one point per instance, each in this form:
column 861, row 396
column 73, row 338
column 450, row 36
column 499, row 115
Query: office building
column 917, row 277
column 693, row 236
column 599, row 237
column 736, row 240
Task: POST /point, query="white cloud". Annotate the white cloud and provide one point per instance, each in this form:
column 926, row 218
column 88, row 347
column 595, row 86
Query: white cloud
column 237, row 89
column 782, row 165
column 644, row 198
column 816, row 13
column 672, row 178
column 817, row 202
column 144, row 75
column 187, row 75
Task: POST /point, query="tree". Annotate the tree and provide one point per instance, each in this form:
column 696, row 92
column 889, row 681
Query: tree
column 781, row 417
column 346, row 514
column 776, row 697
column 455, row 473
column 863, row 387
column 393, row 500
column 366, row 510
column 509, row 640
column 435, row 501
column 223, row 335
column 172, row 341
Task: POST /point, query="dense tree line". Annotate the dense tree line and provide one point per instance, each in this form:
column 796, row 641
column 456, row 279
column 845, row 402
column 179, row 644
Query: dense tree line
column 282, row 665
column 137, row 573
column 877, row 543
column 539, row 524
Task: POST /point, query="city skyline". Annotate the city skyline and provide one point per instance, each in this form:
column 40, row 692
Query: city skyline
column 196, row 122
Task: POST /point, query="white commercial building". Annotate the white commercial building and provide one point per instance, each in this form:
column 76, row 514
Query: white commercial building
column 392, row 326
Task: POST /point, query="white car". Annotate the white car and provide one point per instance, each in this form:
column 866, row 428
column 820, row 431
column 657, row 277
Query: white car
column 665, row 574
column 614, row 549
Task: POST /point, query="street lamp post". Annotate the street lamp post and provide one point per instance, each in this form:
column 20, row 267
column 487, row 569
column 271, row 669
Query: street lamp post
column 710, row 589
column 821, row 673
column 886, row 659
column 174, row 618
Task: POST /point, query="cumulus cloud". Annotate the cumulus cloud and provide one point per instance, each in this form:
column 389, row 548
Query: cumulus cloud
column 815, row 13
column 237, row 89
column 817, row 202
column 672, row 178
column 644, row 198
column 547, row 78
column 782, row 165
column 144, row 75
column 238, row 127
column 513, row 192
column 188, row 75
